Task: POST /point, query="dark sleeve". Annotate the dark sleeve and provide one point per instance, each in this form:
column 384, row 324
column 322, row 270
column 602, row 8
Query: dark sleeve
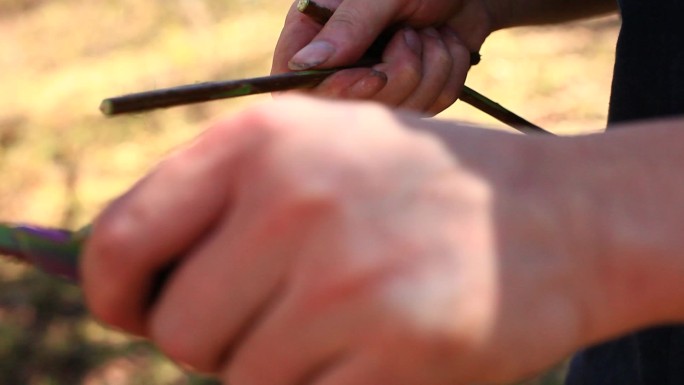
column 649, row 69
column 648, row 83
column 650, row 357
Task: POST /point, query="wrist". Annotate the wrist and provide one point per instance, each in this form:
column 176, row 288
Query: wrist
column 541, row 224
column 588, row 215
column 551, row 217
column 625, row 218
column 637, row 200
column 556, row 205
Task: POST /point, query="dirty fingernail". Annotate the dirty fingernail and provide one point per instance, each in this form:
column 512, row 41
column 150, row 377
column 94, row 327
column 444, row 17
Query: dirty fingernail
column 314, row 54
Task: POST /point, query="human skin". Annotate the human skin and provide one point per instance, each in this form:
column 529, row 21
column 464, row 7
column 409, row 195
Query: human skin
column 336, row 243
column 424, row 67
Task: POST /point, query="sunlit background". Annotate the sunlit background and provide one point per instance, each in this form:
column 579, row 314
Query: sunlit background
column 61, row 161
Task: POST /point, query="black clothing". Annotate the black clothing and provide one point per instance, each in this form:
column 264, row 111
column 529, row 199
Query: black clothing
column 648, row 83
column 649, row 66
column 651, row 357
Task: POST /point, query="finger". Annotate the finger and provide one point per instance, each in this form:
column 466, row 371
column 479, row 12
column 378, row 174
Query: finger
column 324, row 318
column 220, row 294
column 437, row 66
column 352, row 28
column 232, row 283
column 460, row 66
column 293, row 346
column 356, row 83
column 229, row 284
column 143, row 233
column 286, row 350
column 402, row 63
column 298, row 30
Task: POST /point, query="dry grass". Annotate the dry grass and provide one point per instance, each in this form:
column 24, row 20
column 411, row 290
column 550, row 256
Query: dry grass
column 61, row 162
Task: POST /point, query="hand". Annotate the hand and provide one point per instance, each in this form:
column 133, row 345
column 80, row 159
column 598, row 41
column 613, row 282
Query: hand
column 328, row 243
column 423, row 68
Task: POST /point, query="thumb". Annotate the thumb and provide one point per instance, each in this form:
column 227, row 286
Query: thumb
column 353, row 27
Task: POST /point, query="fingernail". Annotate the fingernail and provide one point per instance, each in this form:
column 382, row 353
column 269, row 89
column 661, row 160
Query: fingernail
column 431, row 32
column 413, row 41
column 369, row 85
column 449, row 32
column 314, row 54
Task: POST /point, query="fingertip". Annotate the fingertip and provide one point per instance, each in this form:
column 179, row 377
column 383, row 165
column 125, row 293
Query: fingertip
column 355, row 83
column 313, row 55
column 405, row 46
column 412, row 40
column 461, row 62
column 298, row 31
column 369, row 85
column 458, row 50
column 349, row 30
column 402, row 65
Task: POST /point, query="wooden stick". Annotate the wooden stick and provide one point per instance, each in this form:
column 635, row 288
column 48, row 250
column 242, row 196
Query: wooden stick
column 317, row 13
column 204, row 92
column 498, row 112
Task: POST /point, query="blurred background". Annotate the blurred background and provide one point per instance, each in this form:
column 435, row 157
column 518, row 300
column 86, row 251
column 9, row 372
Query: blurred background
column 61, row 161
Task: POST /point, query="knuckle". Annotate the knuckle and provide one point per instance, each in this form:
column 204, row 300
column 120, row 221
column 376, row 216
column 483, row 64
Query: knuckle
column 106, row 248
column 106, row 237
column 109, row 243
column 347, row 19
column 261, row 118
column 208, row 157
column 261, row 124
column 316, row 199
column 308, row 192
column 257, row 122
